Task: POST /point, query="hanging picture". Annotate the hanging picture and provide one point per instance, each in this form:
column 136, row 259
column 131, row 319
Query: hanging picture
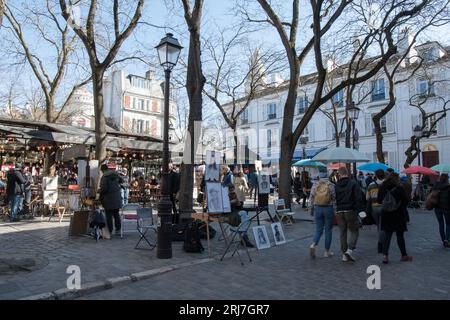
column 214, row 197
column 278, row 233
column 212, row 169
column 264, row 183
column 261, row 238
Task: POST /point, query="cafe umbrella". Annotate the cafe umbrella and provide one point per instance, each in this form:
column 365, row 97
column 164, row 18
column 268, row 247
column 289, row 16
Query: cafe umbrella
column 340, row 154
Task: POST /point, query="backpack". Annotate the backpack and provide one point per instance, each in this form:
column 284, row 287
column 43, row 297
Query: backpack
column 389, row 203
column 99, row 220
column 323, row 195
column 192, row 242
column 203, row 232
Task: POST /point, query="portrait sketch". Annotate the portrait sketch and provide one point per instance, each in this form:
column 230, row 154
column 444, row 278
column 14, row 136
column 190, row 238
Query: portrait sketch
column 278, row 233
column 212, row 169
column 214, row 197
column 226, row 200
column 261, row 238
column 264, row 183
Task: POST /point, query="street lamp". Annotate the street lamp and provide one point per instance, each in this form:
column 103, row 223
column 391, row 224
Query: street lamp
column 353, row 112
column 168, row 52
column 418, row 133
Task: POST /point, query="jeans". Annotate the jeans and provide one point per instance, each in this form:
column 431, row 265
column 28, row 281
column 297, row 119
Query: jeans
column 125, row 194
column 348, row 221
column 400, row 242
column 16, row 200
column 376, row 214
column 109, row 219
column 324, row 220
column 443, row 218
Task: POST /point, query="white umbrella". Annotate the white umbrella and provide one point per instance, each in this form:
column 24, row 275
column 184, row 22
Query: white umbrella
column 339, row 154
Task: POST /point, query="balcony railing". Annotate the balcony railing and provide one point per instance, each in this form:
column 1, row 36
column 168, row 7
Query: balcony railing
column 244, row 121
column 378, row 96
column 271, row 116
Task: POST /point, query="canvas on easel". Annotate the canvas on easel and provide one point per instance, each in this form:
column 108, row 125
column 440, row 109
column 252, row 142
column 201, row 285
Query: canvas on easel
column 264, row 183
column 212, row 167
column 214, row 198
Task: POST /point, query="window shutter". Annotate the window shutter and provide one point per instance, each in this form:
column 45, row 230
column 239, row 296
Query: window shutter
column 249, row 114
column 368, row 124
column 264, row 112
column 441, row 129
column 390, row 124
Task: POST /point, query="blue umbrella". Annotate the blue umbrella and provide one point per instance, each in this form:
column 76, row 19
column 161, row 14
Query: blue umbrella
column 309, row 163
column 374, row 166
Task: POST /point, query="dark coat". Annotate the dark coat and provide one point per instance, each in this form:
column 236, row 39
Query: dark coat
column 349, row 196
column 444, row 196
column 396, row 220
column 15, row 183
column 297, row 185
column 174, row 182
column 110, row 190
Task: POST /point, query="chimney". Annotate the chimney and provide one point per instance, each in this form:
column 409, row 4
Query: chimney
column 404, row 41
column 150, row 74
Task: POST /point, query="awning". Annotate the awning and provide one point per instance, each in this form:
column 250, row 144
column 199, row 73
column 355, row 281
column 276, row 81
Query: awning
column 310, row 153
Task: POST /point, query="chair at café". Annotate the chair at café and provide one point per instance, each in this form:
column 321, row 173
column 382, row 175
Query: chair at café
column 145, row 223
column 128, row 213
column 282, row 213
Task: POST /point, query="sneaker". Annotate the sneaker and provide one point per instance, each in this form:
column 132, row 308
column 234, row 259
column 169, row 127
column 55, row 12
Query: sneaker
column 406, row 258
column 328, row 254
column 312, row 251
column 344, row 258
column 446, row 244
column 385, row 260
column 349, row 255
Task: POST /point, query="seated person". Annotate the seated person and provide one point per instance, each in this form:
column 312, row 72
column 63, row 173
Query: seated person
column 236, row 209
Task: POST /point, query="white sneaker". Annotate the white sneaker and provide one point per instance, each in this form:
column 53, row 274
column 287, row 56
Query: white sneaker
column 312, row 251
column 344, row 258
column 328, row 254
column 349, row 255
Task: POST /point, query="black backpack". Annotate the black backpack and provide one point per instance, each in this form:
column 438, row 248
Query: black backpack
column 390, row 203
column 192, row 242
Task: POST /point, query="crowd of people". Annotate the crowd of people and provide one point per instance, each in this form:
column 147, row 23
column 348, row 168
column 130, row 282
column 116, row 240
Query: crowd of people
column 384, row 198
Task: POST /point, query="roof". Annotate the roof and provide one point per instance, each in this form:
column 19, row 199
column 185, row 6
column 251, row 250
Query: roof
column 33, row 130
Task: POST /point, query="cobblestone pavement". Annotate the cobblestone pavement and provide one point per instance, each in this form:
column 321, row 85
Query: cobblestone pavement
column 281, row 272
column 287, row 271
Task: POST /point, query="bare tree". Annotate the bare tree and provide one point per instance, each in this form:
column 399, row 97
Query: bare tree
column 94, row 43
column 2, row 10
column 195, row 81
column 230, row 77
column 429, row 119
column 325, row 14
column 63, row 46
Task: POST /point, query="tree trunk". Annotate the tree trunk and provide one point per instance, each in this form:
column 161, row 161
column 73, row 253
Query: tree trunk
column 194, row 86
column 100, row 123
column 411, row 153
column 236, row 146
column 379, row 140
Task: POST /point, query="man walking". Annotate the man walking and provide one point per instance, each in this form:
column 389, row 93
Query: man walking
column 349, row 203
column 110, row 197
column 15, row 190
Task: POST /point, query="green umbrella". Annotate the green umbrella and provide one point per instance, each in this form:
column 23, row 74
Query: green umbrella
column 442, row 168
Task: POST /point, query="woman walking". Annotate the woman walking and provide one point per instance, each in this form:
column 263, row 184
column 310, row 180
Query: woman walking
column 240, row 183
column 393, row 200
column 442, row 209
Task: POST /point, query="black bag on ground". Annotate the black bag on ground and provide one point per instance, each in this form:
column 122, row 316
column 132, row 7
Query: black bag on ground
column 192, row 242
column 203, row 232
column 178, row 231
column 99, row 220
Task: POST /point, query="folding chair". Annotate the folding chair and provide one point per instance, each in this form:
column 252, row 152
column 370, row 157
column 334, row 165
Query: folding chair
column 128, row 213
column 144, row 224
column 282, row 213
column 239, row 231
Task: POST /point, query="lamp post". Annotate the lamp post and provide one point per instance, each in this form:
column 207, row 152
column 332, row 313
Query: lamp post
column 303, row 143
column 353, row 112
column 418, row 134
column 168, row 52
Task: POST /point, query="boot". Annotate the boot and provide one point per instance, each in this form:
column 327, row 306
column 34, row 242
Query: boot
column 248, row 244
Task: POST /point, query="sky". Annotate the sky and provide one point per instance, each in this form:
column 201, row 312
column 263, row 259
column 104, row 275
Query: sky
column 217, row 13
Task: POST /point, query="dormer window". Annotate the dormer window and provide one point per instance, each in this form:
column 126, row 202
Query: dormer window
column 430, row 54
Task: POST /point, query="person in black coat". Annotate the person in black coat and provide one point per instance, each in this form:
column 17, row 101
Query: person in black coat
column 15, row 189
column 442, row 210
column 110, row 197
column 174, row 187
column 395, row 220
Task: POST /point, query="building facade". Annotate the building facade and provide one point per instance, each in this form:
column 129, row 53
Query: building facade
column 428, row 87
column 135, row 104
column 81, row 105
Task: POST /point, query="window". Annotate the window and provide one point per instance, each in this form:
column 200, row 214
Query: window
column 430, row 55
column 338, row 99
column 244, row 117
column 140, row 104
column 302, row 104
column 147, row 105
column 378, row 90
column 429, row 122
column 269, row 143
column 425, row 88
column 271, row 111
